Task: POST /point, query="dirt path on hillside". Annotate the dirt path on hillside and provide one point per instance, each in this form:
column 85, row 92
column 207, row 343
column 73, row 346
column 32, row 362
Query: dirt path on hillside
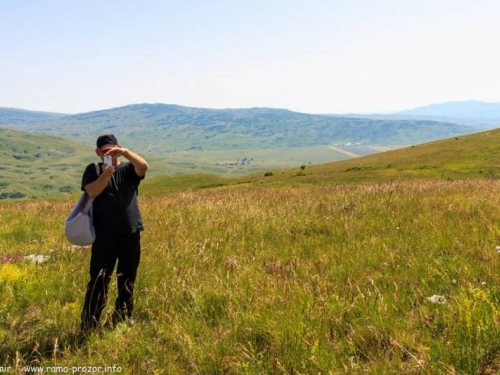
column 381, row 148
column 344, row 152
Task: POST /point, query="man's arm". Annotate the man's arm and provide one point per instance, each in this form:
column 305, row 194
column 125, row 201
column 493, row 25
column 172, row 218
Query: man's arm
column 140, row 165
column 95, row 188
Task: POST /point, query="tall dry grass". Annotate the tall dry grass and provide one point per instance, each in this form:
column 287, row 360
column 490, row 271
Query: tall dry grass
column 286, row 280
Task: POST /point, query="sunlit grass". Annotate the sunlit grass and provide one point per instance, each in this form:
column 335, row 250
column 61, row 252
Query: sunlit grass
column 286, row 280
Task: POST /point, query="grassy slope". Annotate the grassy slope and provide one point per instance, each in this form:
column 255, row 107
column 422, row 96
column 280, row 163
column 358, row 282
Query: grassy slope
column 35, row 165
column 289, row 280
column 470, row 156
column 183, row 140
column 309, row 279
column 43, row 166
column 474, row 155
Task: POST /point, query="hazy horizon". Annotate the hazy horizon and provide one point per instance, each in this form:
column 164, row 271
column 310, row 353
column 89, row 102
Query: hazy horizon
column 315, row 57
column 222, row 108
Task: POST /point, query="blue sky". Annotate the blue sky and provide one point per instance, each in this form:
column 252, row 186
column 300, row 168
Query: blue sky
column 310, row 56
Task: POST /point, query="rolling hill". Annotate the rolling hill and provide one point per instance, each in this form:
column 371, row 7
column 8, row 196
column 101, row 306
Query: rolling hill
column 397, row 278
column 44, row 166
column 35, row 165
column 163, row 129
column 473, row 156
column 41, row 165
column 479, row 123
column 11, row 116
column 391, row 277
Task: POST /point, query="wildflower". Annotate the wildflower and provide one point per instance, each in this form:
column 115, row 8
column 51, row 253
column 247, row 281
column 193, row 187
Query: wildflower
column 37, row 258
column 437, row 299
column 10, row 273
column 483, row 283
column 454, row 281
column 498, row 249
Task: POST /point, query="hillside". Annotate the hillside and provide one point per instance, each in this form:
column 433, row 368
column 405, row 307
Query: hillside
column 470, row 156
column 274, row 274
column 44, row 166
column 35, row 165
column 465, row 157
column 10, row 116
column 479, row 123
column 165, row 129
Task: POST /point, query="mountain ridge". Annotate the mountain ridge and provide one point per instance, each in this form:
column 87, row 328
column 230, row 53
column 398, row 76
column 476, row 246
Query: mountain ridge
column 162, row 128
column 10, row 116
column 465, row 108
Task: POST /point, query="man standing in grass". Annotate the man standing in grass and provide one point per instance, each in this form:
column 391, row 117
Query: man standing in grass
column 118, row 224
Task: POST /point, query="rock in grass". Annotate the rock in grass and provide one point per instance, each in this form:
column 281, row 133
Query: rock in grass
column 437, row 299
column 37, row 258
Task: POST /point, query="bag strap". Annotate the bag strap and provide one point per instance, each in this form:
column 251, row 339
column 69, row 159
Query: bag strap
column 87, row 203
column 87, row 200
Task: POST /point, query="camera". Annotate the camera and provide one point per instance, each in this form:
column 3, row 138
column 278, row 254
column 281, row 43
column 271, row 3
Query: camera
column 108, row 160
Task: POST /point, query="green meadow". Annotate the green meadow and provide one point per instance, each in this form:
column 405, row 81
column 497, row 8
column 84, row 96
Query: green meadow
column 382, row 264
column 333, row 279
column 44, row 166
column 473, row 156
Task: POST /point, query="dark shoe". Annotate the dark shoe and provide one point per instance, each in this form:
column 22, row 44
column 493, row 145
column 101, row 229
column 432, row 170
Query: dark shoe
column 119, row 317
column 130, row 321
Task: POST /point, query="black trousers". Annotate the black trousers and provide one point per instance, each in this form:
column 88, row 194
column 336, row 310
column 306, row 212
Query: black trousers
column 106, row 250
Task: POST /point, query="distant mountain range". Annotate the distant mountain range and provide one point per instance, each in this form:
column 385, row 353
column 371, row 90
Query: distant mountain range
column 464, row 109
column 189, row 140
column 9, row 116
column 161, row 128
column 472, row 113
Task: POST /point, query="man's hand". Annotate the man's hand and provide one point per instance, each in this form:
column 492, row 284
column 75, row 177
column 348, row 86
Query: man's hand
column 117, row 151
column 108, row 172
column 95, row 188
column 140, row 165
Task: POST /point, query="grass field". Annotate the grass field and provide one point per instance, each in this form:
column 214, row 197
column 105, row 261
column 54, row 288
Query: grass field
column 381, row 264
column 473, row 156
column 43, row 166
column 327, row 279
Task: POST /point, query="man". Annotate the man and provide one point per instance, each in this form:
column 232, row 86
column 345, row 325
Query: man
column 118, row 224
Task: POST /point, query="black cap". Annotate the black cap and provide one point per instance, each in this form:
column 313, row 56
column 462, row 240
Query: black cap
column 106, row 140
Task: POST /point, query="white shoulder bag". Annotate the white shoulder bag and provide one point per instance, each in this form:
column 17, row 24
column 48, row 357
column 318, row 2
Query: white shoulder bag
column 78, row 225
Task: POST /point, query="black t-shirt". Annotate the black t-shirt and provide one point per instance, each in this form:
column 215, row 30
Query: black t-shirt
column 116, row 209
